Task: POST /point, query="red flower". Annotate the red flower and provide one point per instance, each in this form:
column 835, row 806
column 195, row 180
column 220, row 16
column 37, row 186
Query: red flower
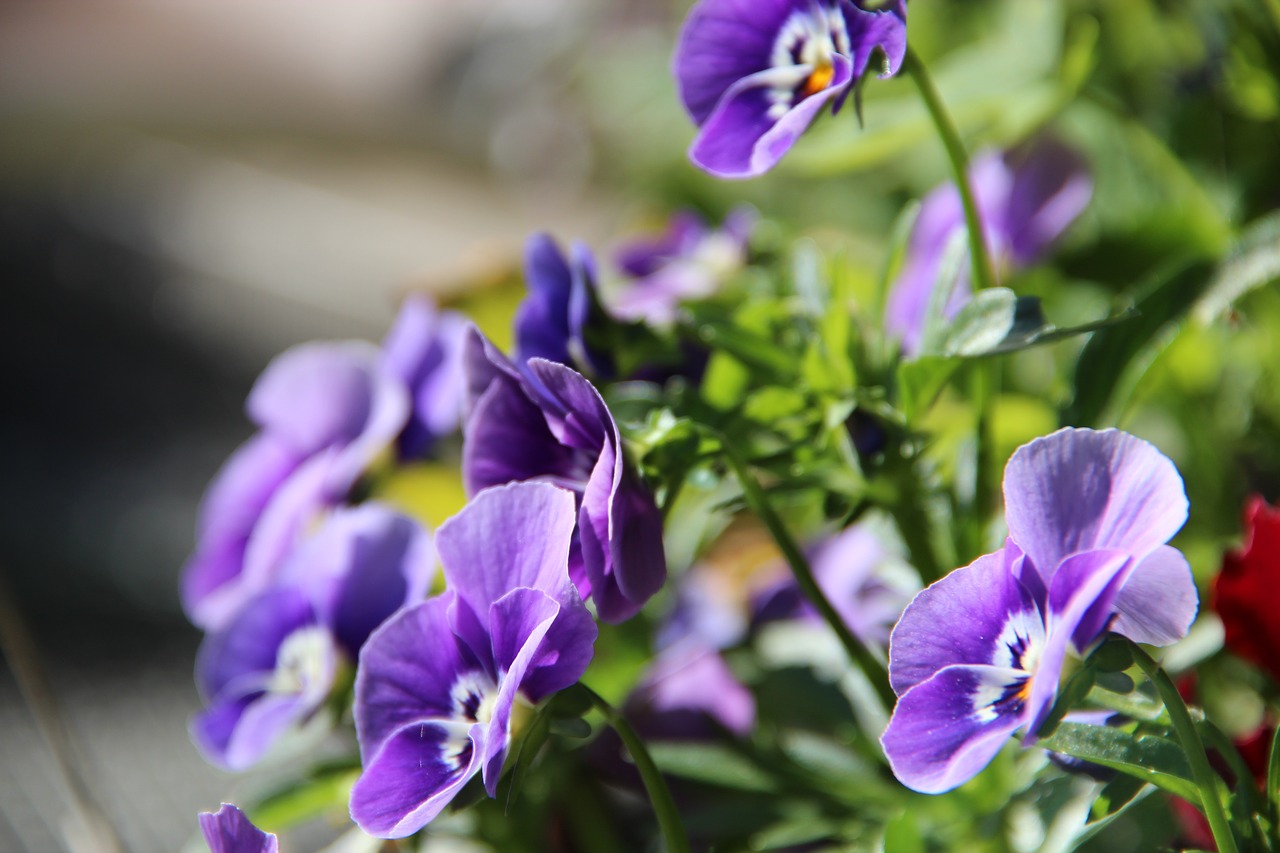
column 1246, row 593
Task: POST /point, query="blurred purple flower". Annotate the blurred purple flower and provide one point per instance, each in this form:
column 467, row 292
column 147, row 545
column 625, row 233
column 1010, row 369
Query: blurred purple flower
column 439, row 686
column 979, row 654
column 424, row 350
column 324, row 412
column 688, row 261
column 229, row 831
column 864, row 583
column 549, row 423
column 753, row 75
column 1026, row 198
column 686, row 687
column 551, row 323
column 270, row 669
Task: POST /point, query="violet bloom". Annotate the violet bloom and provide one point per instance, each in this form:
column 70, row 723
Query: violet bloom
column 441, row 685
column 979, row 654
column 230, row 831
column 866, row 585
column 1026, row 198
column 686, row 687
column 552, row 320
column 753, row 75
column 688, row 261
column 424, row 351
column 549, row 423
column 271, row 668
column 324, row 411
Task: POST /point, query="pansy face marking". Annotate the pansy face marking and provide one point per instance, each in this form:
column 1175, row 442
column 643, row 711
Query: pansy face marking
column 807, row 45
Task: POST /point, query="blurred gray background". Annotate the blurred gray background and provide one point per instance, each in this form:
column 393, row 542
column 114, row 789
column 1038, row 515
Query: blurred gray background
column 185, row 190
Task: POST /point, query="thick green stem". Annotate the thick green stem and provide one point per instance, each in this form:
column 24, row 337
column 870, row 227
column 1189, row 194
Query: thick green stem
column 664, row 807
column 859, row 654
column 1183, row 726
column 978, row 256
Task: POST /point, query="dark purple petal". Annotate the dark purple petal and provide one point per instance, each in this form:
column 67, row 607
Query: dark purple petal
column 509, row 537
column 230, row 831
column 507, row 439
column 543, row 327
column 959, row 620
column 741, row 140
column 948, row 728
column 1158, row 603
column 407, row 669
column 647, row 255
column 1082, row 490
column 365, row 563
column 248, row 645
column 884, row 30
column 416, row 773
column 482, row 364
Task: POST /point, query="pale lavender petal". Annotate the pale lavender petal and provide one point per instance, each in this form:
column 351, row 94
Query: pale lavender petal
column 407, row 669
column 230, row 831
column 506, row 538
column 853, row 569
column 1159, row 601
column 948, row 728
column 695, row 680
column 1082, row 490
column 423, row 350
column 261, row 725
column 416, row 773
column 293, row 508
column 519, row 621
column 958, row 620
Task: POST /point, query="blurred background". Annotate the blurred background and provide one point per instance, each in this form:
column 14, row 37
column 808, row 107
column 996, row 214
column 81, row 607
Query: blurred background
column 186, row 189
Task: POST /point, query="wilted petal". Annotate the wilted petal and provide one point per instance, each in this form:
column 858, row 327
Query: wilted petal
column 1083, row 490
column 230, row 831
column 1158, row 603
column 948, row 728
column 416, row 773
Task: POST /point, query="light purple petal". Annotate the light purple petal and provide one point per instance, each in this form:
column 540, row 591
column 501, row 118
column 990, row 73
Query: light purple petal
column 423, row 350
column 407, row 669
column 509, row 537
column 1158, row 603
column 298, row 502
column 850, row 567
column 1051, row 188
column 1082, row 490
column 948, row 728
column 230, row 831
column 958, row 620
column 697, row 679
column 417, row 772
column 884, row 30
column 261, row 725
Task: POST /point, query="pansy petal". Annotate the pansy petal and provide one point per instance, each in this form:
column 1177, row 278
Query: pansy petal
column 884, row 30
column 1051, row 188
column 507, row 439
column 542, row 323
column 264, row 721
column 1158, row 603
column 250, row 643
column 417, row 772
column 948, row 728
column 1081, row 490
column 407, row 669
column 296, row 504
column 957, row 620
column 482, row 363
column 230, row 831
column 509, row 537
column 423, row 350
column 690, row 682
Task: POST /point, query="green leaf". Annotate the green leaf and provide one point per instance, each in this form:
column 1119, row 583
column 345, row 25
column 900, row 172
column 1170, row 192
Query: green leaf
column 327, row 789
column 1162, row 299
column 982, row 324
column 711, row 764
column 1150, row 758
column 1253, row 263
column 920, row 381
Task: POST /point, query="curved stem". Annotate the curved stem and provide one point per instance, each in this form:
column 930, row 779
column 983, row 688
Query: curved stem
column 859, row 654
column 664, row 808
column 978, row 256
column 1185, row 728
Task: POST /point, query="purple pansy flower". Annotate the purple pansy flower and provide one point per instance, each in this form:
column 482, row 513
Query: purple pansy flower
column 270, row 669
column 324, row 412
column 686, row 686
column 1025, row 197
column 424, row 350
column 688, row 261
column 549, row 423
column 552, row 320
column 753, row 74
column 440, row 685
column 979, row 654
column 230, row 831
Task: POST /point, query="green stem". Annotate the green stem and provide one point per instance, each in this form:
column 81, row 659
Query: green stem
column 859, row 654
column 912, row 519
column 1206, row 780
column 664, row 808
column 1222, row 744
column 978, row 257
column 1273, row 778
